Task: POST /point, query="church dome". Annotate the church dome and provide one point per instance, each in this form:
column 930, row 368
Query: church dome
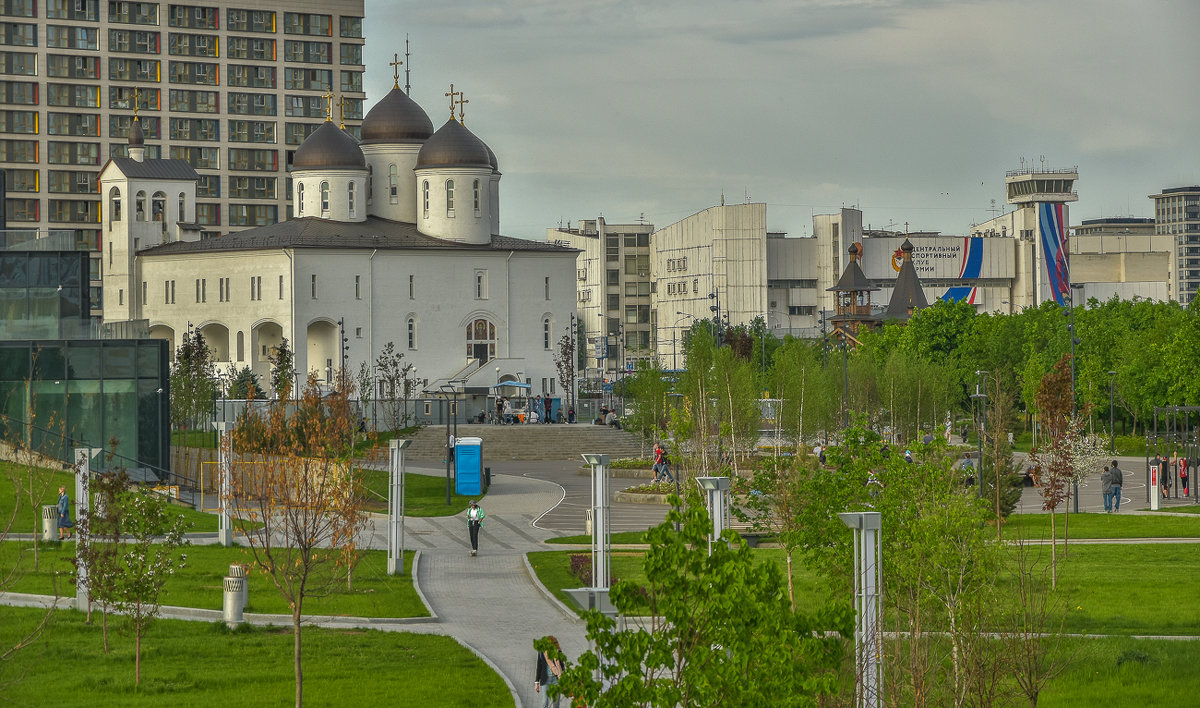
column 491, row 157
column 329, row 147
column 137, row 138
column 396, row 118
column 454, row 146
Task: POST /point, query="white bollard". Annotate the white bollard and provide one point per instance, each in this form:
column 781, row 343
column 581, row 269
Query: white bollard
column 235, row 589
column 237, row 570
column 49, row 522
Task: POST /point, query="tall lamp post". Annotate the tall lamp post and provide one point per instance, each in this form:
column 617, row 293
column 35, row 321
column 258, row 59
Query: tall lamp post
column 981, row 396
column 675, row 336
column 1112, row 432
column 1074, row 399
column 450, row 394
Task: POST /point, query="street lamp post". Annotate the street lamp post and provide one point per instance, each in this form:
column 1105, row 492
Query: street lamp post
column 450, row 395
column 1074, row 399
column 1112, row 432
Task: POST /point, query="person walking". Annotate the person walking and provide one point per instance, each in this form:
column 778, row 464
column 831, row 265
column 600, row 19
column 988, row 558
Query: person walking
column 499, row 410
column 549, row 671
column 1106, row 488
column 507, row 411
column 549, row 405
column 474, row 523
column 662, row 464
column 65, row 524
column 1183, row 473
column 1118, row 479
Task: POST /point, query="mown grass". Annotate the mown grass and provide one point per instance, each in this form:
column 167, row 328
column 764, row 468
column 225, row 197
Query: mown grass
column 203, row 664
column 1120, row 672
column 424, row 495
column 1090, row 525
column 29, row 520
column 1108, row 589
column 619, row 537
column 199, row 583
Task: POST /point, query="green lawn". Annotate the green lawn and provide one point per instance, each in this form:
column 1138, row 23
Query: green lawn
column 29, row 520
column 199, row 584
column 424, row 495
column 620, row 537
column 202, row 664
column 1111, row 589
column 1087, row 525
column 1126, row 673
column 194, row 438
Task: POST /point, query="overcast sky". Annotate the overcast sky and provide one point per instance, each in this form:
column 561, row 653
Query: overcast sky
column 911, row 110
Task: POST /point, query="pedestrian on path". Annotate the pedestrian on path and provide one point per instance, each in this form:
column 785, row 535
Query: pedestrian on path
column 549, row 670
column 1118, row 479
column 662, row 464
column 65, row 524
column 474, row 523
column 1106, row 488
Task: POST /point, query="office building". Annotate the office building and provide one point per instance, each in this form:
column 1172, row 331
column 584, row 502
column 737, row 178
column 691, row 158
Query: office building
column 1177, row 214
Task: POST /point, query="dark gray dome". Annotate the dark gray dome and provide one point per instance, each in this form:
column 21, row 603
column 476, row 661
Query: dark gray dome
column 396, row 118
column 454, row 146
column 328, row 147
column 491, row 157
column 137, row 138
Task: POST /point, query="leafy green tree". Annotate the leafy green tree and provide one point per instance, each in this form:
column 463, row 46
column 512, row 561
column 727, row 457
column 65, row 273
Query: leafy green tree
column 397, row 380
column 737, row 411
column 648, row 391
column 244, row 385
column 283, row 369
column 806, row 396
column 718, row 630
column 192, row 387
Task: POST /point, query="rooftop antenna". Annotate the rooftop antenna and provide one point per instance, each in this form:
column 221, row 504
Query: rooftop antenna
column 746, row 195
column 722, row 197
column 642, row 218
column 1043, row 159
column 1022, row 164
column 993, row 208
column 407, row 64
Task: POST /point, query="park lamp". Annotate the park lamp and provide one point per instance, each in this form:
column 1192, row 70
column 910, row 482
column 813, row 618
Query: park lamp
column 596, row 460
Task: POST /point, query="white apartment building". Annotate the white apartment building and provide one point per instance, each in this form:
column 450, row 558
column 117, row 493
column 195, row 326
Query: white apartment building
column 1177, row 215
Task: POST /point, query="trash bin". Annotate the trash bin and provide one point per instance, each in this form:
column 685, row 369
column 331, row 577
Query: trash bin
column 49, row 521
column 468, row 466
column 232, row 607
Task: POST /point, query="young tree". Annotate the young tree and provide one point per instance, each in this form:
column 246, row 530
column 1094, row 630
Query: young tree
column 366, row 389
column 398, row 379
column 149, row 554
column 192, row 387
column 564, row 363
column 716, row 630
column 772, row 501
column 243, row 384
column 100, row 541
column 295, row 502
column 648, row 390
column 283, row 369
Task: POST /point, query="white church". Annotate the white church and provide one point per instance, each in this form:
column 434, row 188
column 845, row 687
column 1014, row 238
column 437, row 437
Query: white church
column 394, row 239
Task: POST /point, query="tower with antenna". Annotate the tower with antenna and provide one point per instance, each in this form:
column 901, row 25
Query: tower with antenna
column 1040, row 195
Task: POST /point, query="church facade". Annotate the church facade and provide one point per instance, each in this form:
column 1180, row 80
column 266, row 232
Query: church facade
column 394, row 240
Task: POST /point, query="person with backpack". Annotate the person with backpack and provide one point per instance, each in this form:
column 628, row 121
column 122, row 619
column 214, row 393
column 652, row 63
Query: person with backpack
column 1118, row 479
column 662, row 464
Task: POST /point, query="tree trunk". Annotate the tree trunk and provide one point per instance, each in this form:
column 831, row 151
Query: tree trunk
column 137, row 653
column 791, row 585
column 1066, row 522
column 296, row 656
column 1053, row 560
column 103, row 623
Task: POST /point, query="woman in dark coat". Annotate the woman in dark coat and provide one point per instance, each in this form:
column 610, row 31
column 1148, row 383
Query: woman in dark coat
column 64, row 514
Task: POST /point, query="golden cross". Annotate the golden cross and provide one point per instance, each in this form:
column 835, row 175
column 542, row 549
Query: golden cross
column 328, row 96
column 342, row 112
column 395, row 64
column 137, row 97
column 462, row 98
column 452, row 94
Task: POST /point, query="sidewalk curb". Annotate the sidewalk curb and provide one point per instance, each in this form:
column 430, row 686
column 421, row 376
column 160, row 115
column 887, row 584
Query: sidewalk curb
column 567, row 612
column 512, row 688
column 416, row 583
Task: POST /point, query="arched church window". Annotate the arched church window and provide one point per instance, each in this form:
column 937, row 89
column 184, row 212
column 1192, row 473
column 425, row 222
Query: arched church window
column 546, row 333
column 299, row 197
column 324, row 199
column 182, row 207
column 114, row 205
column 139, row 206
column 352, row 199
column 394, row 183
column 158, row 206
column 481, row 340
column 475, row 189
column 449, row 197
column 425, row 199
column 370, row 184
column 412, row 333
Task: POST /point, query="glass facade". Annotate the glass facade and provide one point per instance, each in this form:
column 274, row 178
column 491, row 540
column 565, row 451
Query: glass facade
column 62, row 385
column 87, row 393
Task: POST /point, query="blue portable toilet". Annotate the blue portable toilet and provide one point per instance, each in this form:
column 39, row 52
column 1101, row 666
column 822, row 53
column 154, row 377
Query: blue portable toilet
column 468, row 466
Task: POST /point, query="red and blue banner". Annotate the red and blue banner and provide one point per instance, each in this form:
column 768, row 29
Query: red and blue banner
column 1052, row 227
